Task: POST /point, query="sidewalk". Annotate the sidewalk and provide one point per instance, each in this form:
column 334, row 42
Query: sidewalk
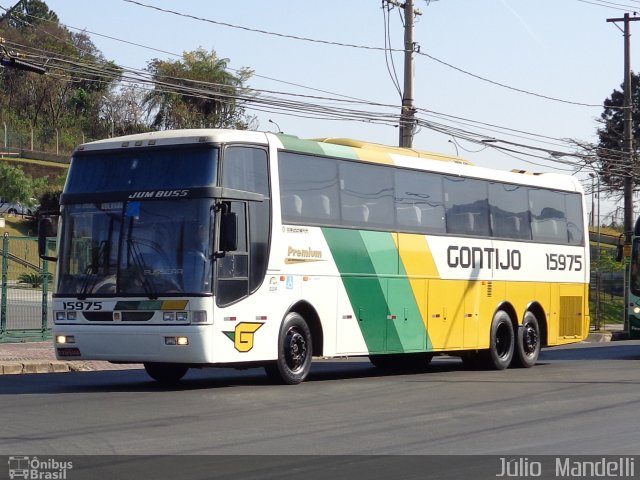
column 607, row 334
column 39, row 357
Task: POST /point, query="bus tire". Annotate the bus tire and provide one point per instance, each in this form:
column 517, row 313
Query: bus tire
column 528, row 342
column 294, row 352
column 166, row 373
column 502, row 343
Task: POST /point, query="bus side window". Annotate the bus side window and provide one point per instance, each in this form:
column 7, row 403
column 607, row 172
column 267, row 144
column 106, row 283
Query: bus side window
column 246, row 168
column 233, row 267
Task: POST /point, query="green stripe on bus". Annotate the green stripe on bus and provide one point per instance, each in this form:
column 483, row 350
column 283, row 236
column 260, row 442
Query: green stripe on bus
column 296, row 144
column 383, row 301
column 340, row 151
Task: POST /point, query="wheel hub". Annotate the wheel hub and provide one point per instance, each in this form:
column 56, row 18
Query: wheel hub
column 530, row 339
column 296, row 351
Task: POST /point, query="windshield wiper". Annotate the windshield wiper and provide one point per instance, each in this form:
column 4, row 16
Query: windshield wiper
column 138, row 260
column 92, row 269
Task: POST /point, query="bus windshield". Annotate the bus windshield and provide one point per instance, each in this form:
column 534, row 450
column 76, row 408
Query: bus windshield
column 634, row 280
column 130, row 170
column 137, row 248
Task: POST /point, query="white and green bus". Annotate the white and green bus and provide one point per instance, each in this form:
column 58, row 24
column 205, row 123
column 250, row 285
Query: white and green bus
column 197, row 248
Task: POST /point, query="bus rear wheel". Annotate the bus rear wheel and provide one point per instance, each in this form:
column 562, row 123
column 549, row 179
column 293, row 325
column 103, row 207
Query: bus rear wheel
column 294, row 352
column 166, row 373
column 502, row 343
column 528, row 343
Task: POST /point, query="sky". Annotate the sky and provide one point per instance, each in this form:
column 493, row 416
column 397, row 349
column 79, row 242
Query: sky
column 563, row 49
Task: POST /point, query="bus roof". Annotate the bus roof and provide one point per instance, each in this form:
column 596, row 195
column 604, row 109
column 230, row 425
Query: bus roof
column 377, row 147
column 338, row 148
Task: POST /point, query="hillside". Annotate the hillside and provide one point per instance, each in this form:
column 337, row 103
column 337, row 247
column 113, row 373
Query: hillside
column 39, row 168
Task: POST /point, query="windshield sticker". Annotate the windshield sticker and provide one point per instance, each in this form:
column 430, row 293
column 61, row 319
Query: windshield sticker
column 133, row 209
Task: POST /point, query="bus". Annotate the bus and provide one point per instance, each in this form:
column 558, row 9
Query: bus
column 633, row 282
column 195, row 248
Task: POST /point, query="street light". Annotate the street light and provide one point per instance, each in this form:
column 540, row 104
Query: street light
column 277, row 126
column 455, row 146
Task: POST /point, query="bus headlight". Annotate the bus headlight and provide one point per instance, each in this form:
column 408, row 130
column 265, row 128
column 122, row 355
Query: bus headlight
column 199, row 316
column 63, row 339
column 636, row 310
column 62, row 316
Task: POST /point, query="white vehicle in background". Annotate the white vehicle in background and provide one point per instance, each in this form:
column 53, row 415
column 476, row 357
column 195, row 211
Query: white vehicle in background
column 15, row 208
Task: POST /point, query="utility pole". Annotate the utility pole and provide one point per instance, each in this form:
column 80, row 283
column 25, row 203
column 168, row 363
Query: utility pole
column 408, row 110
column 628, row 151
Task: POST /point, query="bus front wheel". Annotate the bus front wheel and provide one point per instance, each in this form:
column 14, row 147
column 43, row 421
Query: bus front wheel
column 166, row 373
column 294, row 352
column 528, row 344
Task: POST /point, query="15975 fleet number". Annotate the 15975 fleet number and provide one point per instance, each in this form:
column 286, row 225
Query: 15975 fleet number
column 82, row 306
column 562, row 262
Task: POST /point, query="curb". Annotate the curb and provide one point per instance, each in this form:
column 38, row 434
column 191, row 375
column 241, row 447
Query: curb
column 30, row 367
column 599, row 337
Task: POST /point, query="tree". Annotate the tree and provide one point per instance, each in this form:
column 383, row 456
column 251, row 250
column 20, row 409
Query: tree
column 14, row 184
column 67, row 100
column 614, row 165
column 197, row 92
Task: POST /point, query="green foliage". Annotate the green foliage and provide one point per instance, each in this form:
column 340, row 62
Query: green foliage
column 614, row 167
column 607, row 261
column 14, row 184
column 53, row 111
column 214, row 102
column 34, row 279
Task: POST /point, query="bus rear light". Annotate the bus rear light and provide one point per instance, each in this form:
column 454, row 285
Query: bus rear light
column 261, row 318
column 199, row 316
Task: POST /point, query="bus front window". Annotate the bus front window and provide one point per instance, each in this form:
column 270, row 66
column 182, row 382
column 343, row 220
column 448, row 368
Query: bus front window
column 137, row 248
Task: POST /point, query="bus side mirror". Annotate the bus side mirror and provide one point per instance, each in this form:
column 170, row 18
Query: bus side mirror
column 47, row 227
column 619, row 252
column 229, row 232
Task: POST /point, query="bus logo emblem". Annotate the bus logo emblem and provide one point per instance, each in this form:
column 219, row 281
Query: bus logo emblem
column 242, row 336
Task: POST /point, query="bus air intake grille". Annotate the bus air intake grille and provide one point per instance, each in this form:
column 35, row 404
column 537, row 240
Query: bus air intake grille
column 98, row 316
column 571, row 316
column 137, row 316
column 126, row 316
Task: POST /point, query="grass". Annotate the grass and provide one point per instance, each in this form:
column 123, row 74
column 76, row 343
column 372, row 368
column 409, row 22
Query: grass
column 18, row 227
column 611, row 309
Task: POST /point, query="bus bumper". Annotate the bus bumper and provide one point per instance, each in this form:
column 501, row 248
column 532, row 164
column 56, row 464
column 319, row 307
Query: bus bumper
column 185, row 344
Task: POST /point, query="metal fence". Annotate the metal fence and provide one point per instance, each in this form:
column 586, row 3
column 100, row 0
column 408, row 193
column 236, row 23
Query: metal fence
column 25, row 302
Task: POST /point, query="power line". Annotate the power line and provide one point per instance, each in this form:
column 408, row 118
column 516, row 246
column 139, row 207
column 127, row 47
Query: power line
column 364, row 47
column 312, row 110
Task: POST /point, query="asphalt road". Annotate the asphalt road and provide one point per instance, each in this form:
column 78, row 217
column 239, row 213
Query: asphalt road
column 577, row 400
